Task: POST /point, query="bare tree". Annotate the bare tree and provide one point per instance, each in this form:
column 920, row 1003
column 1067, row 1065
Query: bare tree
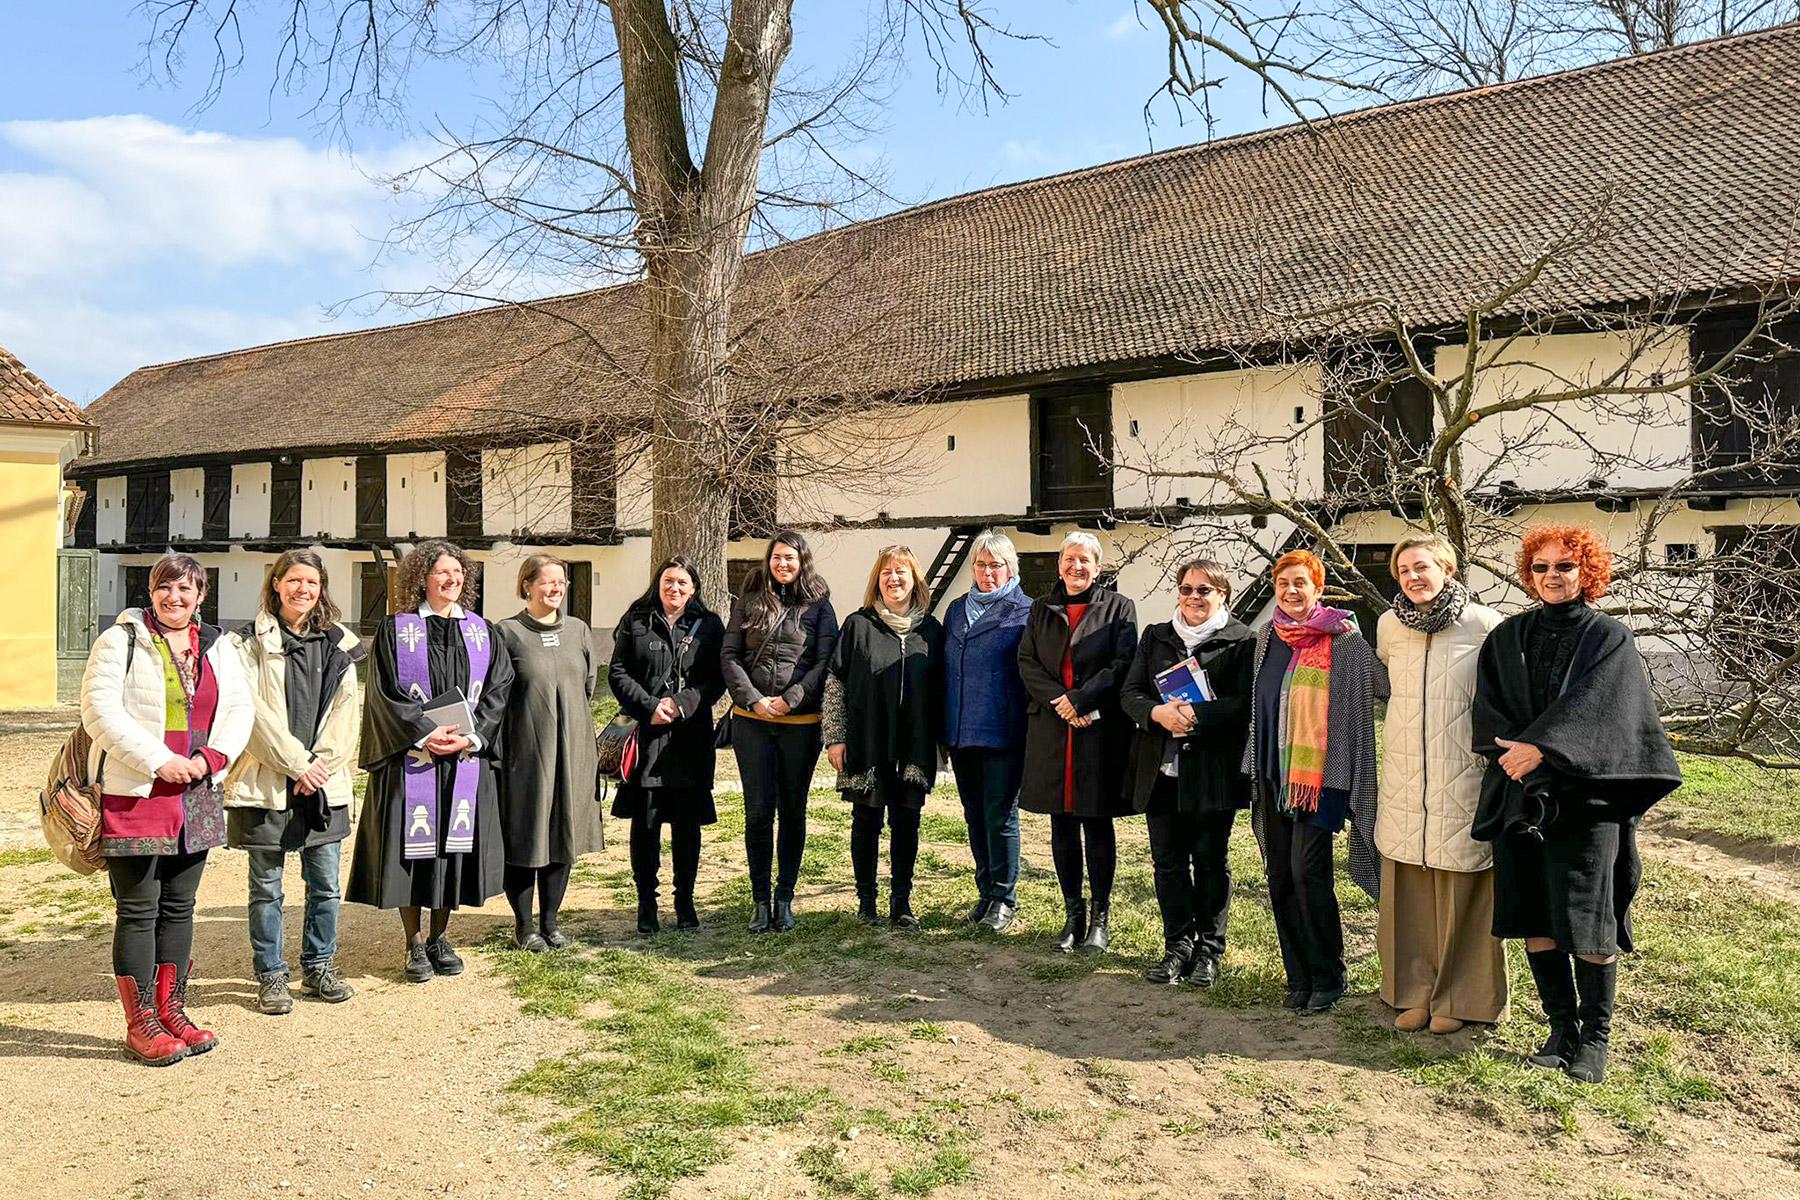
column 1478, row 428
column 1417, row 47
column 658, row 141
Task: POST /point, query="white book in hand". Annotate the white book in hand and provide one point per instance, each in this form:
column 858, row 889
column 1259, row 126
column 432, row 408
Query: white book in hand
column 452, row 708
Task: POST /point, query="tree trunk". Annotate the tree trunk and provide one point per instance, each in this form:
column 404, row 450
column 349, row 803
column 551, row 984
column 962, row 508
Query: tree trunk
column 691, row 228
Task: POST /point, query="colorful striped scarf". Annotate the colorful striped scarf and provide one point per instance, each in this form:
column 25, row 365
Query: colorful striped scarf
column 1306, row 704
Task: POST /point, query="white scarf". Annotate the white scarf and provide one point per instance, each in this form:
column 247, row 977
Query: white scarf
column 1192, row 635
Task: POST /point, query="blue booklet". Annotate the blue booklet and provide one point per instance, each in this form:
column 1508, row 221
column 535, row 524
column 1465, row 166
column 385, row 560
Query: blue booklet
column 1186, row 682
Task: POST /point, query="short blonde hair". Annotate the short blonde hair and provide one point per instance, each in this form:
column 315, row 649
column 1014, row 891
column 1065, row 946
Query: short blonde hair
column 534, row 566
column 921, row 590
column 1432, row 543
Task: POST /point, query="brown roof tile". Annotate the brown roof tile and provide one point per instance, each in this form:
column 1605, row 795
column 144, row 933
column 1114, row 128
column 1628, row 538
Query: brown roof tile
column 26, row 398
column 1186, row 251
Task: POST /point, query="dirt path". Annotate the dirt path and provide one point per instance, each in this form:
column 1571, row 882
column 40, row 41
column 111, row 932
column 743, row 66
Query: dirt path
column 1099, row 1086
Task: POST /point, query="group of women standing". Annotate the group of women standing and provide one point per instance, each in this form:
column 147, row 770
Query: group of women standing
column 1517, row 756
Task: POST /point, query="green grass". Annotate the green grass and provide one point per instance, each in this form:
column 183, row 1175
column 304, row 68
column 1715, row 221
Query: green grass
column 1736, row 799
column 661, row 1086
column 25, row 858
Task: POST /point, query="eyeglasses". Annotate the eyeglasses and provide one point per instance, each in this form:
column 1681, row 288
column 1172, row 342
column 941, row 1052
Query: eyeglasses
column 1562, row 568
column 1201, row 590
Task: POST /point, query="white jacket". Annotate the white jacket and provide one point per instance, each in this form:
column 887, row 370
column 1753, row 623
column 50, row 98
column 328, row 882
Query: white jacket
column 259, row 778
column 124, row 714
column 1430, row 778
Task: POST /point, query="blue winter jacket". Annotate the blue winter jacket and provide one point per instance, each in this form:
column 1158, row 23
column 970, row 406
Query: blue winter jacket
column 984, row 699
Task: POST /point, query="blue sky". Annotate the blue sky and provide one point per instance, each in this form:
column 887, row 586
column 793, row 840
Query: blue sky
column 138, row 227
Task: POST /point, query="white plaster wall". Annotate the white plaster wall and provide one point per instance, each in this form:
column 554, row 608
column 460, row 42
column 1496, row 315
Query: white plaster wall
column 328, row 497
column 415, row 495
column 109, row 514
column 187, row 503
column 526, row 489
column 1627, row 442
column 250, row 500
column 905, row 456
column 1221, row 420
column 634, row 484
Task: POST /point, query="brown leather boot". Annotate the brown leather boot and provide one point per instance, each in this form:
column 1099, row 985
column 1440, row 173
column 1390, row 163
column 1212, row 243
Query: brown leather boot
column 145, row 1036
column 171, row 1008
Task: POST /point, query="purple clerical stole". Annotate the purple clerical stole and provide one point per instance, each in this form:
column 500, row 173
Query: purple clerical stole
column 412, row 659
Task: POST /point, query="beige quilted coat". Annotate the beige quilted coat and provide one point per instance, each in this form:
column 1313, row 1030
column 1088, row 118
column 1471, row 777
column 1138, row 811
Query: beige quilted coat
column 1430, row 779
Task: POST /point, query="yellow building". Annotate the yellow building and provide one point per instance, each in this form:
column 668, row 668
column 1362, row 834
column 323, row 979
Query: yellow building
column 39, row 433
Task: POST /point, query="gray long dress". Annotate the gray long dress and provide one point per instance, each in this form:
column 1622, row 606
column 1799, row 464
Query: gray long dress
column 547, row 805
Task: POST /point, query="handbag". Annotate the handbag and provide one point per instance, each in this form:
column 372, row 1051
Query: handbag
column 69, row 805
column 616, row 747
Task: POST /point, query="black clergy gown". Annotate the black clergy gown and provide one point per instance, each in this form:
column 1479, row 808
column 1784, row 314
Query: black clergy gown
column 393, row 723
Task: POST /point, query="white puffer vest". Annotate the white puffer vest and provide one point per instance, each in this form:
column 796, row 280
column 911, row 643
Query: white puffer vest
column 1430, row 778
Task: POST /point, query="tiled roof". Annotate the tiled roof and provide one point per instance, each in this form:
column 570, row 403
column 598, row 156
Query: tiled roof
column 1694, row 154
column 26, row 398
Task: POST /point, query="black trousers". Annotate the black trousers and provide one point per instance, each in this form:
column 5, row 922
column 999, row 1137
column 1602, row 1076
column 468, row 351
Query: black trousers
column 901, row 811
column 1067, row 833
column 1193, row 876
column 153, row 903
column 550, row 882
column 1303, row 893
column 776, row 764
column 646, row 856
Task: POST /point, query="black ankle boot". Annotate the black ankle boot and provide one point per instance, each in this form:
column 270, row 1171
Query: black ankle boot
column 759, row 920
column 783, row 920
column 1074, row 925
column 1556, row 990
column 647, row 922
column 1596, row 984
column 866, row 912
column 1095, row 941
column 1177, row 962
column 686, row 915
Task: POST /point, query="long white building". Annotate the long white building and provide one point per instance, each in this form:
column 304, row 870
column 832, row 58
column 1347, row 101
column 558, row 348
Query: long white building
column 1050, row 338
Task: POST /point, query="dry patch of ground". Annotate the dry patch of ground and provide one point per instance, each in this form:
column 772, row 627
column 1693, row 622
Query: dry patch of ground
column 842, row 1061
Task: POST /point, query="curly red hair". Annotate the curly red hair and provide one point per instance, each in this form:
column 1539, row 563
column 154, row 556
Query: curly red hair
column 1589, row 551
column 1300, row 558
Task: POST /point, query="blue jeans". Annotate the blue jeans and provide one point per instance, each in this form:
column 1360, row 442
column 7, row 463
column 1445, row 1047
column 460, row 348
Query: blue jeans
column 988, row 782
column 318, row 940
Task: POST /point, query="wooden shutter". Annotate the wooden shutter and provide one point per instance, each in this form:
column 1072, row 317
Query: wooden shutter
column 284, row 500
column 215, row 521
column 594, row 491
column 462, row 493
column 371, row 497
column 1071, row 444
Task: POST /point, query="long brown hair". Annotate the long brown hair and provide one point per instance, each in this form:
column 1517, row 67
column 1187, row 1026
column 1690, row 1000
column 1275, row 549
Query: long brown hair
column 325, row 613
column 762, row 600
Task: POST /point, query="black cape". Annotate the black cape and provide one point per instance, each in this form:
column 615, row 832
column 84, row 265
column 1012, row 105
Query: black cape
column 393, row 723
column 1606, row 756
column 893, row 701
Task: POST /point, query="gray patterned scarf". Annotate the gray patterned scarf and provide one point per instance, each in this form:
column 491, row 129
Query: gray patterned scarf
column 1445, row 609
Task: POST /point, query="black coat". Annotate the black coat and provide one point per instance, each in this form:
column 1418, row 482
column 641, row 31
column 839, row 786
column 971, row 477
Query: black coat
column 644, row 669
column 1606, row 756
column 1101, row 654
column 893, row 702
column 1210, row 772
column 788, row 663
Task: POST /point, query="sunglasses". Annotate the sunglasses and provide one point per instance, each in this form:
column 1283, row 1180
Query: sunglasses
column 1562, row 568
column 1201, row 590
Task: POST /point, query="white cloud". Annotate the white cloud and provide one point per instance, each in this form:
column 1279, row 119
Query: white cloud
column 122, row 191
column 82, row 349
column 1127, row 25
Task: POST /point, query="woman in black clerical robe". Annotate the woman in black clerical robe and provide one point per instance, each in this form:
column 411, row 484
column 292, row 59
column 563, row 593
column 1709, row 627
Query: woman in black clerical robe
column 1576, row 755
column 432, row 843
